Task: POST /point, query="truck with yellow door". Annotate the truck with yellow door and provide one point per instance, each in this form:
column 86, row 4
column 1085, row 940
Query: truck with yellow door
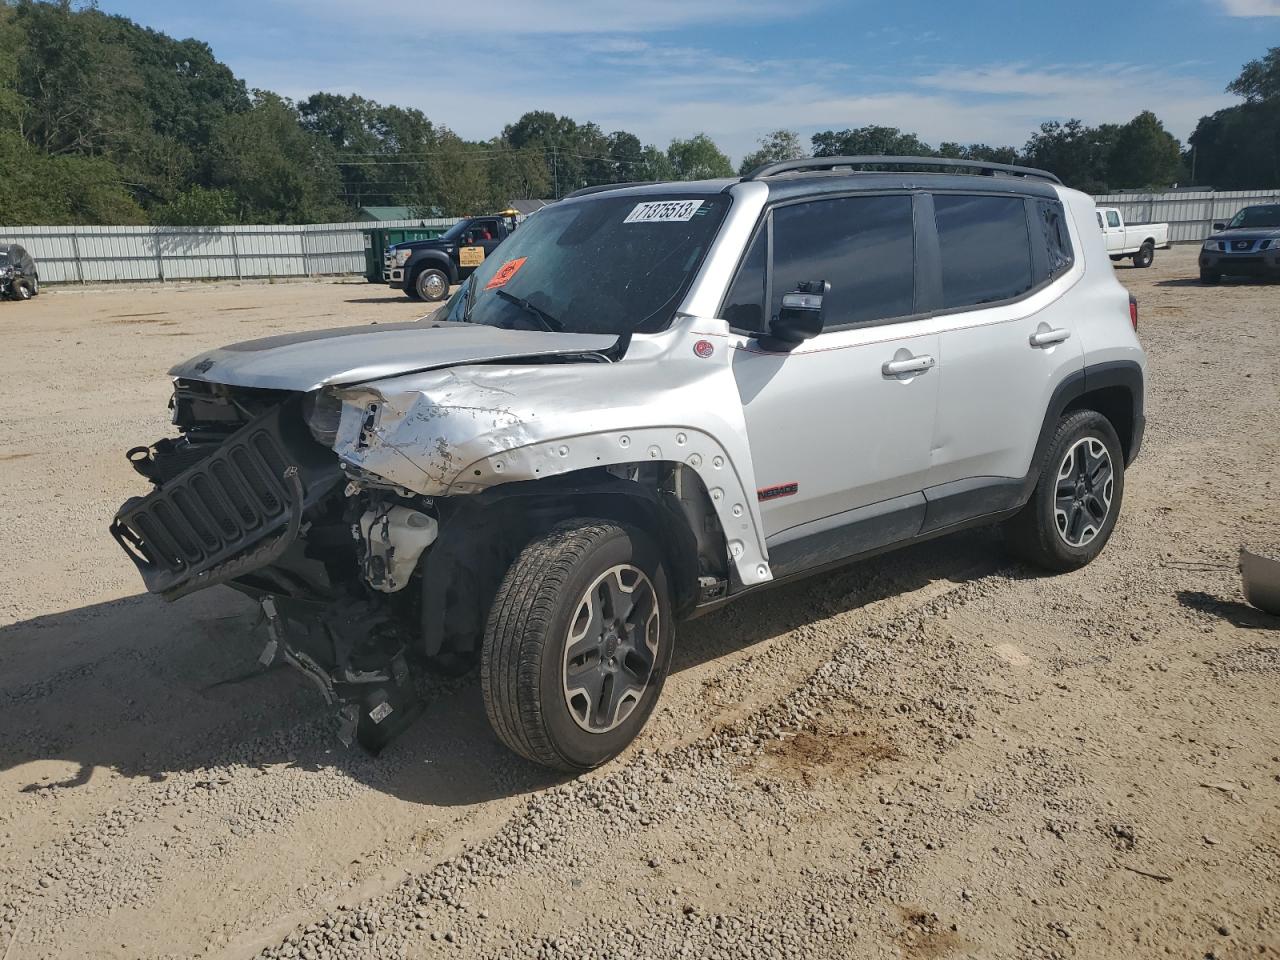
column 426, row 269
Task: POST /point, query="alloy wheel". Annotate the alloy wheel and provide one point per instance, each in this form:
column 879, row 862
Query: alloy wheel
column 611, row 648
column 1083, row 491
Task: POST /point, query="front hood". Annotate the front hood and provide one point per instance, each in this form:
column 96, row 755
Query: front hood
column 345, row 355
column 435, row 244
column 1248, row 233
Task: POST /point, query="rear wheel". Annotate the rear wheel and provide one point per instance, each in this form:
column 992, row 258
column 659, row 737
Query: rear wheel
column 578, row 644
column 1145, row 255
column 431, row 285
column 1073, row 509
column 1210, row 277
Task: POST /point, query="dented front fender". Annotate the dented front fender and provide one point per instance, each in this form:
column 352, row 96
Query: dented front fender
column 465, row 429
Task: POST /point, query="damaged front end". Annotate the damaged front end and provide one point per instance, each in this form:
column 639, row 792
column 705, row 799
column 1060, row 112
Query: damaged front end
column 252, row 495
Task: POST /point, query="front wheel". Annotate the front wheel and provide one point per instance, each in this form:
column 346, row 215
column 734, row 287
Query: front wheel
column 1145, row 256
column 578, row 644
column 431, row 285
column 1074, row 506
column 1210, row 277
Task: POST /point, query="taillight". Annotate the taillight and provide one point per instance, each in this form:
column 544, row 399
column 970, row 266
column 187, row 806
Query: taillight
column 1133, row 312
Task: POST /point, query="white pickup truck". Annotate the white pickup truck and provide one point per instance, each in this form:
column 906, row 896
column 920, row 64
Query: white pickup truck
column 1135, row 240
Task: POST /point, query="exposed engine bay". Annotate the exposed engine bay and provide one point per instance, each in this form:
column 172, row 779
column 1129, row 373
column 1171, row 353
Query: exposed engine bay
column 364, row 586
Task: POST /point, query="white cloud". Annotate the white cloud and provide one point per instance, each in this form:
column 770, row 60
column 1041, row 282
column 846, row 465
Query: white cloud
column 1252, row 8
column 510, row 18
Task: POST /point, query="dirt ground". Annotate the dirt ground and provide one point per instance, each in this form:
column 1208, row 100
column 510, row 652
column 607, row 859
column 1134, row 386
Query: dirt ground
column 934, row 754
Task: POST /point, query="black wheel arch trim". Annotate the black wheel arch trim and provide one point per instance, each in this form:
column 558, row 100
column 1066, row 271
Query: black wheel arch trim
column 430, row 258
column 1124, row 374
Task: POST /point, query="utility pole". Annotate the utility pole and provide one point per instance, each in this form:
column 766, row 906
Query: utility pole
column 555, row 174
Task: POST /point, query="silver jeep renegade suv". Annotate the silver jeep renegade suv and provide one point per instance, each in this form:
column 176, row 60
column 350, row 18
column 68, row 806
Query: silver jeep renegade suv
column 649, row 401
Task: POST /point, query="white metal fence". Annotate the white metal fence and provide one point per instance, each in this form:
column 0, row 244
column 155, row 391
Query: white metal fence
column 1190, row 216
column 94, row 254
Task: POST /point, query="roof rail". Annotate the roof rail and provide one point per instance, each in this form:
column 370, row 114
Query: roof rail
column 602, row 187
column 830, row 163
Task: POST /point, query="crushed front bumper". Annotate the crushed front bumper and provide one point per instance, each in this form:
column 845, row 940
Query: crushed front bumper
column 232, row 512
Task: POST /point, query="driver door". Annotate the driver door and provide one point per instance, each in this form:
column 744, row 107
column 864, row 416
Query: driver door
column 840, row 427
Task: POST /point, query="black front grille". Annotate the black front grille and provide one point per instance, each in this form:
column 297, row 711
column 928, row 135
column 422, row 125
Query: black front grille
column 216, row 512
column 213, row 510
column 1241, row 244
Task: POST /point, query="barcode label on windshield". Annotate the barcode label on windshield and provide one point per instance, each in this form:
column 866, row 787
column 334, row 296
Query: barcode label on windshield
column 664, row 211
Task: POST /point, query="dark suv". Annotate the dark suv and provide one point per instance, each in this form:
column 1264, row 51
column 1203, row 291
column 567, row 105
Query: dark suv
column 425, row 269
column 1248, row 246
column 19, row 279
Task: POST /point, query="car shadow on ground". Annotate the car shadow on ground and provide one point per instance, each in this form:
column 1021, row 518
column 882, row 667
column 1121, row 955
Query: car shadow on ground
column 1233, row 611
column 155, row 690
column 1224, row 282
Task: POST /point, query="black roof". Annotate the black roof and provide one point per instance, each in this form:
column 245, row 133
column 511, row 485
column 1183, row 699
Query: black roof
column 795, row 185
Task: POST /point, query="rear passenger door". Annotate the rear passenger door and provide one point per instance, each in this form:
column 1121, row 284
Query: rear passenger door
column 1007, row 340
column 840, row 445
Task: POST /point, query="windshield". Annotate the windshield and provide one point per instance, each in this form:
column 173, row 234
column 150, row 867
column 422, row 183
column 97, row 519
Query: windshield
column 610, row 265
column 1253, row 217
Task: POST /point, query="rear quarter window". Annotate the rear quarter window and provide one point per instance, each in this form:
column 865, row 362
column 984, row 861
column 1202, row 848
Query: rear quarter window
column 985, row 249
column 1051, row 221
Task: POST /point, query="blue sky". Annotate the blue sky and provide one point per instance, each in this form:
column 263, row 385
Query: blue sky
column 982, row 70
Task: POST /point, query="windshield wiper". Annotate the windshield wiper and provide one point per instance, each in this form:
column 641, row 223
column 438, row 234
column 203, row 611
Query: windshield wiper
column 470, row 301
column 545, row 320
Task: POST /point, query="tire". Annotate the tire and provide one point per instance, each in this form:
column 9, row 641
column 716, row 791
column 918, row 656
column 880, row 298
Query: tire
column 1145, row 256
column 1065, row 534
column 35, row 286
column 20, row 289
column 1210, row 278
column 431, row 285
column 564, row 581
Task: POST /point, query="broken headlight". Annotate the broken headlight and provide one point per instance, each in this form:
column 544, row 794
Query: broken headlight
column 322, row 410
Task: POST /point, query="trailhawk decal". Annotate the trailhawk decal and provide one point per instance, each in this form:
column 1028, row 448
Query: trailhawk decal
column 777, row 492
column 664, row 211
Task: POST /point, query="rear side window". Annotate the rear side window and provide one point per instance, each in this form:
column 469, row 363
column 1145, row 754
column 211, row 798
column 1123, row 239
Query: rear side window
column 863, row 246
column 986, row 253
column 1051, row 219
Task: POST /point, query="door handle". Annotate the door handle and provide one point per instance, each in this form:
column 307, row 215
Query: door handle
column 896, row 368
column 1047, row 338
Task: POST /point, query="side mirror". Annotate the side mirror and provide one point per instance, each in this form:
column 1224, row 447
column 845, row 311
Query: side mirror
column 799, row 318
column 1219, row 226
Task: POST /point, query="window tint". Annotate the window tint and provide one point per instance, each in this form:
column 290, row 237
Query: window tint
column 1052, row 221
column 863, row 246
column 986, row 255
column 1113, row 218
column 744, row 306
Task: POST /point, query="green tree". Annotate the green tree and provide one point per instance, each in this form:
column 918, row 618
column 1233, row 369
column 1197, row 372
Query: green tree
column 869, row 141
column 277, row 171
column 1238, row 148
column 1078, row 154
column 979, row 151
column 776, row 146
column 46, row 190
column 1144, row 155
column 698, row 158
column 1259, row 79
column 197, row 207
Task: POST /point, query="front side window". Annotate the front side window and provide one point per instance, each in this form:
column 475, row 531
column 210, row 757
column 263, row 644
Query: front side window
column 744, row 306
column 863, row 246
column 1051, row 219
column 1113, row 218
column 986, row 254
column 609, row 265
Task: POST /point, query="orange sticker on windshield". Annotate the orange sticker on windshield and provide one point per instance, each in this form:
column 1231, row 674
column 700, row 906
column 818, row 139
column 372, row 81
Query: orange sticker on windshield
column 505, row 273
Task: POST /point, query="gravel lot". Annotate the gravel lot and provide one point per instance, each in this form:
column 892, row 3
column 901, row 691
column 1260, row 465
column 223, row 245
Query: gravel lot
column 934, row 754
